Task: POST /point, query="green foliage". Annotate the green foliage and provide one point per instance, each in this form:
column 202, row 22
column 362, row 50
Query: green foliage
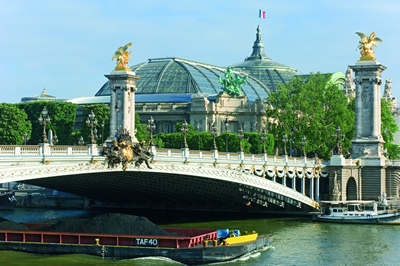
column 257, row 144
column 314, row 108
column 175, row 141
column 171, row 140
column 62, row 119
column 102, row 113
column 388, row 128
column 141, row 129
column 13, row 123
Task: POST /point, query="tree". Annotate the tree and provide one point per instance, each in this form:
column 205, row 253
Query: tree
column 62, row 119
column 388, row 128
column 13, row 123
column 314, row 107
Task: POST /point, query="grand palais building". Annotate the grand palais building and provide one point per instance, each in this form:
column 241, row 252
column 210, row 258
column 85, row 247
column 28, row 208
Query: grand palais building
column 173, row 89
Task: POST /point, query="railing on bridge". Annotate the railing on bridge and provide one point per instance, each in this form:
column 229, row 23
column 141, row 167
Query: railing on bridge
column 50, row 150
column 91, row 150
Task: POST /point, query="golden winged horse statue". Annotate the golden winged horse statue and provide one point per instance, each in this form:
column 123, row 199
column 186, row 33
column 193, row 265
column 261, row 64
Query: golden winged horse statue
column 122, row 56
column 365, row 45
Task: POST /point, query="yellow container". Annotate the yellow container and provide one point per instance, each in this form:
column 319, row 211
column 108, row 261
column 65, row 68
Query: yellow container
column 241, row 239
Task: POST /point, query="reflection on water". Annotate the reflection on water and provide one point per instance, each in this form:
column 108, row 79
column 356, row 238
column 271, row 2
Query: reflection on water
column 297, row 241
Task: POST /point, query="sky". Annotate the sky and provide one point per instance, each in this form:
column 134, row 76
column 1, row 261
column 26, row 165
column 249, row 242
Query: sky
column 67, row 46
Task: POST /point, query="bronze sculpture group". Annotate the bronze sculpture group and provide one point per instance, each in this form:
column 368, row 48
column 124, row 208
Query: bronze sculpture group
column 124, row 152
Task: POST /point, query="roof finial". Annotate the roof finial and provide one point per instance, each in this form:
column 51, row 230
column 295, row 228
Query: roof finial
column 258, row 48
column 44, row 91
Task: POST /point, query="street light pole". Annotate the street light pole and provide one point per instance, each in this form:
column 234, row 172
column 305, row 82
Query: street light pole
column 263, row 139
column 151, row 127
column 25, row 137
column 240, row 136
column 117, row 111
column 338, row 149
column 198, row 130
column 214, row 134
column 102, row 131
column 55, row 140
column 184, row 131
column 81, row 141
column 291, row 140
column 44, row 120
column 303, row 143
column 92, row 122
column 284, row 140
column 226, row 132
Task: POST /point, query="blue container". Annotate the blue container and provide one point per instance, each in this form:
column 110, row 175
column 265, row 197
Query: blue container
column 223, row 233
column 236, row 232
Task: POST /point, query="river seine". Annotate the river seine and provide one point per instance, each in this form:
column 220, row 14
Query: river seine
column 297, row 241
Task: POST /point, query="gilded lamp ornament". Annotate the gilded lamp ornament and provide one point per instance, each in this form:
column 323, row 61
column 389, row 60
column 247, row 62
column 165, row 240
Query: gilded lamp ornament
column 366, row 43
column 122, row 56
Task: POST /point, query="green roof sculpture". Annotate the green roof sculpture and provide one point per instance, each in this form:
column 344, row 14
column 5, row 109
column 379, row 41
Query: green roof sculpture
column 232, row 83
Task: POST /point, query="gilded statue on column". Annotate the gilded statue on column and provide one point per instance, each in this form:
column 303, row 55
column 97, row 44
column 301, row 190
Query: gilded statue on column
column 365, row 45
column 122, row 56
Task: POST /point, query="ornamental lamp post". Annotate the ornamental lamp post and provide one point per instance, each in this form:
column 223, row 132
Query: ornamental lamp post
column 263, row 139
column 81, row 141
column 184, row 131
column 198, row 130
column 117, row 111
column 285, row 140
column 44, row 120
column 291, row 141
column 240, row 136
column 25, row 137
column 303, row 143
column 92, row 122
column 102, row 131
column 338, row 136
column 55, row 139
column 151, row 127
column 226, row 132
column 214, row 133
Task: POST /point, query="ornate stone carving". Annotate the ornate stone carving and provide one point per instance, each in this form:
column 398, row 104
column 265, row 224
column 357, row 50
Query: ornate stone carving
column 337, row 189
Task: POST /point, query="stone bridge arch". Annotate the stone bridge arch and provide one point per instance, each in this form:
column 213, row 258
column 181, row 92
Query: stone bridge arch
column 169, row 186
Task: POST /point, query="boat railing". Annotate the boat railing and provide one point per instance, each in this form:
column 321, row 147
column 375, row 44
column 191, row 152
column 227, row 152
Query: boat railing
column 196, row 237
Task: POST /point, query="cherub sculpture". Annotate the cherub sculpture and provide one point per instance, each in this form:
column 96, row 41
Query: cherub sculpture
column 122, row 56
column 366, row 44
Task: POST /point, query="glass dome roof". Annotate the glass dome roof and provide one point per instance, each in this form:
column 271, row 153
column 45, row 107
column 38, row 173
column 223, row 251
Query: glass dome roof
column 261, row 67
column 180, row 76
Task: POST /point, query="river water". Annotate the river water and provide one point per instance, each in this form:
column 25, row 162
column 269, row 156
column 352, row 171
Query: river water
column 297, row 241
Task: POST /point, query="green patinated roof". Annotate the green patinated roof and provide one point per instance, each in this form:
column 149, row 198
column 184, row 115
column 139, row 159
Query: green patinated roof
column 180, row 76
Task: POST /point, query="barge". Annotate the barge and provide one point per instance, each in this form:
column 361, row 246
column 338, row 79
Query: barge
column 194, row 246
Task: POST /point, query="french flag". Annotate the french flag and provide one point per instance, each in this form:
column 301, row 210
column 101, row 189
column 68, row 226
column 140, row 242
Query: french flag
column 262, row 14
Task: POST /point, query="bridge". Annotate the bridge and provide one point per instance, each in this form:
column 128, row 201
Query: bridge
column 178, row 180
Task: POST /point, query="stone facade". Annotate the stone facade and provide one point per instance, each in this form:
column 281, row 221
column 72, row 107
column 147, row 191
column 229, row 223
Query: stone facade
column 201, row 112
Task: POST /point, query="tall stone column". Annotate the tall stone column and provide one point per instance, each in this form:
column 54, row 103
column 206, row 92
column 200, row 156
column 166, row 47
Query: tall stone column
column 123, row 88
column 367, row 141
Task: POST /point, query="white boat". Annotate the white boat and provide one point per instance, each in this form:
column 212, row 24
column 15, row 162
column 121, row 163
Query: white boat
column 359, row 212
